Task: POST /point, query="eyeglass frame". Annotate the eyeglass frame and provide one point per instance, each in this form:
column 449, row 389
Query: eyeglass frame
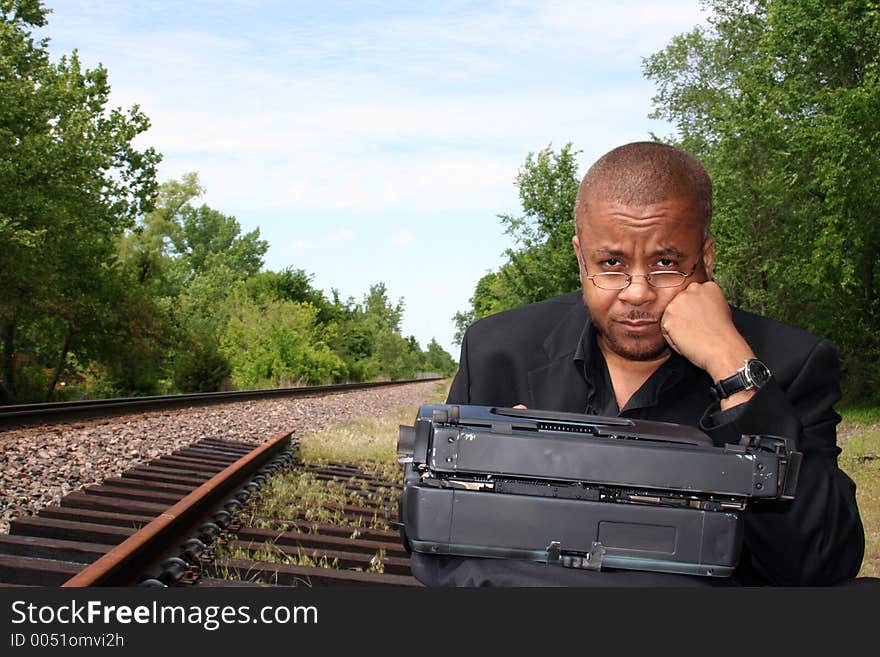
column 630, row 277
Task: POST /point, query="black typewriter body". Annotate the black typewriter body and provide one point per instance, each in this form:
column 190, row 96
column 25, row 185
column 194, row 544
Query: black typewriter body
column 583, row 491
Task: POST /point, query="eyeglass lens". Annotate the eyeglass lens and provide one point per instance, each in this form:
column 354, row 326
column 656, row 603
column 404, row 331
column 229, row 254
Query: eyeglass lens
column 618, row 281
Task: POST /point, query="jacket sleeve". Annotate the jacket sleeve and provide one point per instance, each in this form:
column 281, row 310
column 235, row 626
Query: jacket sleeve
column 817, row 538
column 459, row 390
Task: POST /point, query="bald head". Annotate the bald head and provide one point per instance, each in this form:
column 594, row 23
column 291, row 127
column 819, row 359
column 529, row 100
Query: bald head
column 643, row 173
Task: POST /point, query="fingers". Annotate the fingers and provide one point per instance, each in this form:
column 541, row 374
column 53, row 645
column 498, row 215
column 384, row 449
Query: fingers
column 521, row 407
column 697, row 324
column 669, row 339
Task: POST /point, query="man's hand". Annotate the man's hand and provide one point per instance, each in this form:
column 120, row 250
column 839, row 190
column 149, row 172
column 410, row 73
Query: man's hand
column 698, row 325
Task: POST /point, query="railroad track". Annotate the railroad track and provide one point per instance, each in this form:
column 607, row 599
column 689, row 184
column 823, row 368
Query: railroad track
column 24, row 415
column 184, row 520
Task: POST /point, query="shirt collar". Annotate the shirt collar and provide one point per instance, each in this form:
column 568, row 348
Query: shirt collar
column 589, row 360
column 585, row 342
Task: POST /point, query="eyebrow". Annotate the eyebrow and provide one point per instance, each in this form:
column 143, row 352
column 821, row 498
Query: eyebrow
column 666, row 251
column 669, row 250
column 607, row 252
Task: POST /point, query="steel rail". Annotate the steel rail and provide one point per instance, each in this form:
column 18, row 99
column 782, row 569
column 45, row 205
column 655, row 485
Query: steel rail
column 59, row 541
column 128, row 559
column 234, row 546
column 140, row 528
column 24, row 415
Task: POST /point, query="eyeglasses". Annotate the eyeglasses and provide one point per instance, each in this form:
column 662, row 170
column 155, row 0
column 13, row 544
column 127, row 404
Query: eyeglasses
column 613, row 280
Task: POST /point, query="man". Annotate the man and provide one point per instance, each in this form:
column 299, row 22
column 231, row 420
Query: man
column 651, row 336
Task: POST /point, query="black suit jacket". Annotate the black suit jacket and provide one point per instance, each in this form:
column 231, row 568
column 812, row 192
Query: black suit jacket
column 525, row 356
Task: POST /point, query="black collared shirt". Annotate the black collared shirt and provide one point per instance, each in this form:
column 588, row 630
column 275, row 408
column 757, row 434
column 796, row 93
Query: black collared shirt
column 677, row 391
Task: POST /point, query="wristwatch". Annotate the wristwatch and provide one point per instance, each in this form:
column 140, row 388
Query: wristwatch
column 751, row 376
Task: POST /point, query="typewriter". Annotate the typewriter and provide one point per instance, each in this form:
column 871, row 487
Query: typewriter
column 583, row 491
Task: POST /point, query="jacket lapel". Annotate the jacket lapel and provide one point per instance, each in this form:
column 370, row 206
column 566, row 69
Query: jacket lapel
column 558, row 387
column 556, row 384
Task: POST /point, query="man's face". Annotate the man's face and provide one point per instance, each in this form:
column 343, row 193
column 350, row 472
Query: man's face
column 665, row 236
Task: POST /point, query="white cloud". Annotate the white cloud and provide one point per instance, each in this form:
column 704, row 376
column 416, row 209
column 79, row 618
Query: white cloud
column 341, row 235
column 340, row 118
column 402, row 238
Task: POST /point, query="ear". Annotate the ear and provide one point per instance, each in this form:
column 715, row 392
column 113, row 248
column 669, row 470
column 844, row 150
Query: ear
column 709, row 256
column 576, row 243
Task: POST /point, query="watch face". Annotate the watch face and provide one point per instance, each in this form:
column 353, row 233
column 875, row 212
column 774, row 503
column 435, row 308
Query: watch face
column 757, row 373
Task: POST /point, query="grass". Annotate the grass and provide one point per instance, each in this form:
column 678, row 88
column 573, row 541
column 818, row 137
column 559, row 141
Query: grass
column 859, row 440
column 371, row 440
column 860, row 415
column 302, row 490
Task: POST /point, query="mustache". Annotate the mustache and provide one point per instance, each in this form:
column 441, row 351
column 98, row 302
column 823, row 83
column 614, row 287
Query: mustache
column 637, row 316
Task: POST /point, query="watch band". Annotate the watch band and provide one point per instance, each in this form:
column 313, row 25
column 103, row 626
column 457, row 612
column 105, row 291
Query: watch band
column 752, row 375
column 729, row 386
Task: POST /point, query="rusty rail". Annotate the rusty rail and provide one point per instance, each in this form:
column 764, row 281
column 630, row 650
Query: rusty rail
column 130, row 557
column 128, row 530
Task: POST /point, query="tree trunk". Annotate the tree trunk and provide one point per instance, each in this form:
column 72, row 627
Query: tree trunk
column 7, row 385
column 59, row 368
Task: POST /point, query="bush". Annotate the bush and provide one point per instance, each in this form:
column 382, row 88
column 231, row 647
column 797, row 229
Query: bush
column 200, row 368
column 270, row 343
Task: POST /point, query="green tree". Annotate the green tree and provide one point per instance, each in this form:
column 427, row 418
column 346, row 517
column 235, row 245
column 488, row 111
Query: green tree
column 347, row 332
column 437, row 359
column 292, row 285
column 199, row 237
column 272, row 343
column 378, row 311
column 394, row 356
column 781, row 101
column 201, row 314
column 71, row 181
column 391, row 356
column 186, row 258
column 542, row 264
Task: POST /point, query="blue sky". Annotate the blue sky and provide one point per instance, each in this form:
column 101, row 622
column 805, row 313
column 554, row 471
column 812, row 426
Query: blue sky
column 375, row 141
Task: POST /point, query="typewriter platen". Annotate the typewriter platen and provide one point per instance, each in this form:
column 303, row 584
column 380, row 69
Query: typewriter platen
column 583, row 491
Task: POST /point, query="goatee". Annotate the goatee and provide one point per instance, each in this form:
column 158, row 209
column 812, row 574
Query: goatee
column 638, row 348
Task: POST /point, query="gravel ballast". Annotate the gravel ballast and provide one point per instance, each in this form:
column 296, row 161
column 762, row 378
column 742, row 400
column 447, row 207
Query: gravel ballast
column 39, row 465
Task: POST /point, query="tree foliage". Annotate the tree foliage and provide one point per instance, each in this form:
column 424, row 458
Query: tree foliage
column 781, row 101
column 438, row 360
column 71, row 181
column 542, row 263
column 271, row 343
